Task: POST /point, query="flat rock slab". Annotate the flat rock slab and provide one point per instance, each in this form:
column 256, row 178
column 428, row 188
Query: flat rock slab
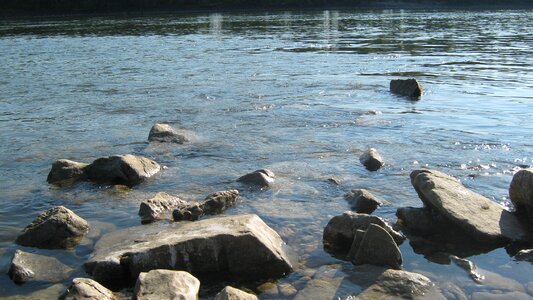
column 34, row 267
column 395, row 284
column 479, row 217
column 55, row 228
column 166, row 284
column 87, row 289
column 234, row 246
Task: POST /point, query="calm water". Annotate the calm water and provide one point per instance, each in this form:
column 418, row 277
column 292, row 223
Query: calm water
column 302, row 94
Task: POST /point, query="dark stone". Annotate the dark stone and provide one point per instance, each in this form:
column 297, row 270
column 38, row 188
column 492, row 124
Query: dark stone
column 362, row 201
column 526, row 255
column 261, row 178
column 122, row 169
column 406, row 87
column 66, row 171
column 371, row 160
column 378, row 248
column 165, row 133
column 521, row 193
column 213, row 204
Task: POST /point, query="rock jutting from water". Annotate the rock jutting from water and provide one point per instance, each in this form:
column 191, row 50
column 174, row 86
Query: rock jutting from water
column 377, row 247
column 371, row 159
column 240, row 246
column 362, row 201
column 396, row 284
column 159, row 207
column 525, row 255
column 117, row 169
column 231, row 293
column 406, row 87
column 55, row 228
column 34, row 267
column 261, row 178
column 213, row 204
column 521, row 193
column 87, row 289
column 166, row 284
column 166, row 134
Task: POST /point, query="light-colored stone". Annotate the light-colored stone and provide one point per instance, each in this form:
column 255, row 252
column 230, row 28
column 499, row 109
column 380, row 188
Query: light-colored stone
column 362, row 201
column 159, row 207
column 34, row 267
column 406, row 87
column 287, row 290
column 482, row 219
column 87, row 289
column 261, row 178
column 521, row 193
column 394, row 284
column 240, row 245
column 165, row 133
column 378, row 248
column 371, row 159
column 231, row 293
column 122, row 169
column 66, row 171
column 166, row 284
column 57, row 227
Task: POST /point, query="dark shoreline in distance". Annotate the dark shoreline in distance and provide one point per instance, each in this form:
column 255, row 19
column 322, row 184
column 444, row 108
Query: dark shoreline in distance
column 8, row 12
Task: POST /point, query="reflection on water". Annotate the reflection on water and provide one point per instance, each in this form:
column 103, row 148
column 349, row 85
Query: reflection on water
column 303, row 94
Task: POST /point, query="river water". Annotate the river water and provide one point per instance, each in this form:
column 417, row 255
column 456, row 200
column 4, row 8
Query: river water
column 300, row 93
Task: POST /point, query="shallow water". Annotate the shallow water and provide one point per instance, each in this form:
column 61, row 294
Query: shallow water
column 287, row 91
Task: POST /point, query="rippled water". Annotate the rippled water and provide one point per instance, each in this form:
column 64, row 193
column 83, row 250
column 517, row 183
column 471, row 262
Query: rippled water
column 302, row 94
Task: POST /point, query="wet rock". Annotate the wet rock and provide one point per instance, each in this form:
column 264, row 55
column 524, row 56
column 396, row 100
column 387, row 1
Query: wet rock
column 500, row 296
column 87, row 289
column 320, row 289
column 66, row 171
column 526, row 255
column 416, row 220
column 55, row 228
column 262, row 178
column 231, row 293
column 33, row 267
column 371, row 160
column 268, row 290
column 340, row 230
column 393, row 284
column 406, row 87
column 362, row 201
column 334, row 181
column 122, row 169
column 480, row 218
column 227, row 247
column 521, row 193
column 159, row 207
column 287, row 290
column 165, row 133
column 358, row 238
column 166, row 284
column 469, row 267
column 378, row 248
column 213, row 204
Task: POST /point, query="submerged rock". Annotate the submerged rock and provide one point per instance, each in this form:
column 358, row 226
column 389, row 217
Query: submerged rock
column 122, row 169
column 66, row 171
column 395, row 284
column 57, row 227
column 500, row 296
column 165, row 133
column 231, row 293
column 33, row 267
column 235, row 246
column 521, row 193
column 478, row 217
column 262, row 178
column 377, row 248
column 406, row 87
column 340, row 230
column 371, row 159
column 213, row 204
column 362, row 201
column 87, row 289
column 469, row 267
column 166, row 284
column 159, row 207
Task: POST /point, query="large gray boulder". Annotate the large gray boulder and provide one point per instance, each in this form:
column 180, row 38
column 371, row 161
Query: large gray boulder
column 122, row 169
column 261, row 178
column 159, row 207
column 234, row 246
column 377, row 248
column 34, row 267
column 87, row 289
column 406, row 87
column 371, row 159
column 362, row 201
column 340, row 231
column 395, row 284
column 57, row 227
column 165, row 133
column 231, row 293
column 66, row 171
column 213, row 204
column 521, row 193
column 478, row 217
column 166, row 284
